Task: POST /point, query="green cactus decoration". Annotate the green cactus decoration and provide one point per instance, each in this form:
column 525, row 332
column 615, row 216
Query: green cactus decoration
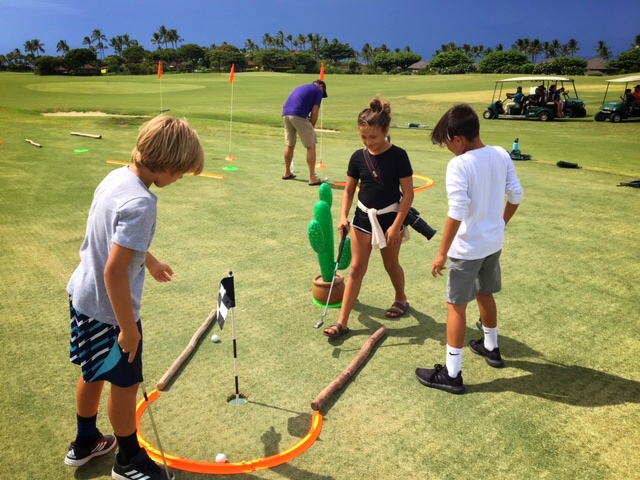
column 321, row 235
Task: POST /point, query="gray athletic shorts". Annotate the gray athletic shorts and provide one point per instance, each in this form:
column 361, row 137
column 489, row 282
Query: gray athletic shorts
column 467, row 278
column 302, row 127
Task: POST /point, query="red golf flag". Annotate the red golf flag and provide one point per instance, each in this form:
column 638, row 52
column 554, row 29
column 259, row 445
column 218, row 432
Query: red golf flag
column 232, row 73
column 160, row 69
column 322, row 71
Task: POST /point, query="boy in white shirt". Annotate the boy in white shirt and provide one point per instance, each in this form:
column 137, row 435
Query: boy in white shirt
column 477, row 180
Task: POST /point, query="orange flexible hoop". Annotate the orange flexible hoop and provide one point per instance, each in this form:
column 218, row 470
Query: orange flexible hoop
column 429, row 183
column 203, row 174
column 227, row 468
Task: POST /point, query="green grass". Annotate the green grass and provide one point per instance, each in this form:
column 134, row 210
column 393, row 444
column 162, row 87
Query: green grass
column 566, row 406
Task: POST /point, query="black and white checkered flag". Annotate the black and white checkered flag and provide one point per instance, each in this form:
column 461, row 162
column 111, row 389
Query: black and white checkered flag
column 226, row 298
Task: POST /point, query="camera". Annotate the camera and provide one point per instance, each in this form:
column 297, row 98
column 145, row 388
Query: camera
column 418, row 224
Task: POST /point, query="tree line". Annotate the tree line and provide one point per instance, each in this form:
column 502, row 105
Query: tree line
column 303, row 53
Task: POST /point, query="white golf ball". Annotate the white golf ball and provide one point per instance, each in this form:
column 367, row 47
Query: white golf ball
column 215, row 338
column 221, row 458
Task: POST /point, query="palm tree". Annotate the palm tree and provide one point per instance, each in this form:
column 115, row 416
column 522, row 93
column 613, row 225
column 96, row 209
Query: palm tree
column 174, row 38
column 267, row 40
column 603, row 50
column 162, row 33
column 89, row 43
column 466, row 49
column 156, row 39
column 572, row 46
column 314, row 44
column 553, row 48
column 499, row 47
column 33, row 46
column 97, row 36
column 117, row 44
column 522, row 45
column 302, row 41
column 367, row 53
column 636, row 43
column 279, row 39
column 289, row 39
column 62, row 47
column 535, row 49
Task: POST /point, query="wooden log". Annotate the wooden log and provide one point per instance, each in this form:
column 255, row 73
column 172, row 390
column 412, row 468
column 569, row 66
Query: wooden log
column 166, row 378
column 33, row 143
column 86, row 135
column 346, row 374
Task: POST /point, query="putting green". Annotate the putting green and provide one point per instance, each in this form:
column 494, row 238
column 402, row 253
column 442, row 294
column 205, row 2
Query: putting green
column 105, row 88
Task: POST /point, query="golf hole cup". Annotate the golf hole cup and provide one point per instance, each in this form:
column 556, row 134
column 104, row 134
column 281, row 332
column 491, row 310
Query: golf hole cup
column 215, row 338
column 221, row 458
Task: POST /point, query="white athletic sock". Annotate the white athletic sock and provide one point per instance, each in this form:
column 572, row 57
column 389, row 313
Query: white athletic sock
column 490, row 338
column 454, row 360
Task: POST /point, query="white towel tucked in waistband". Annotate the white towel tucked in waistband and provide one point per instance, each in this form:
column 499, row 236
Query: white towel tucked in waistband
column 377, row 235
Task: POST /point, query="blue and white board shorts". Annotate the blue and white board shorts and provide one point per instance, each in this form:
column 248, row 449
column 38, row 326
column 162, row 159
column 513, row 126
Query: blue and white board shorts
column 94, row 347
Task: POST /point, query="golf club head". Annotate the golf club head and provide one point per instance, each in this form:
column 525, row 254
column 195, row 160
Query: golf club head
column 319, row 324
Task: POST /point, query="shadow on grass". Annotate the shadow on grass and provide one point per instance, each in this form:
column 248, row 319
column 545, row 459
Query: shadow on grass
column 569, row 384
column 426, row 329
column 271, row 440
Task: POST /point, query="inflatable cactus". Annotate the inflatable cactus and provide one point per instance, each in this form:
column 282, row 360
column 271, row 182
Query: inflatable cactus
column 321, row 236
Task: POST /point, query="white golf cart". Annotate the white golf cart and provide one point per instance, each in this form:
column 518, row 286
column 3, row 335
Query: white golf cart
column 544, row 111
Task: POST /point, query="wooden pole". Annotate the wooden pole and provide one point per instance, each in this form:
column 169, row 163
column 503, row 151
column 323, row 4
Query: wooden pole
column 33, row 143
column 166, row 378
column 339, row 382
column 86, row 135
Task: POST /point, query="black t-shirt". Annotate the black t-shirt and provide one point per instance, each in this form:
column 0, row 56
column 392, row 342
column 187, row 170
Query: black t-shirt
column 392, row 165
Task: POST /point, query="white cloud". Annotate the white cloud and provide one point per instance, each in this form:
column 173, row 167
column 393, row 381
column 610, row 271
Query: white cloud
column 54, row 7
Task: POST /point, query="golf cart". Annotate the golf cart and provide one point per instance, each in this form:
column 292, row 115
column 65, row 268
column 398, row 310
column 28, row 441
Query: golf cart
column 528, row 109
column 619, row 110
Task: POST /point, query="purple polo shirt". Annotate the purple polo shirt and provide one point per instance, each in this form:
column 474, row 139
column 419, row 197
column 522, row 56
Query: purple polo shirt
column 302, row 100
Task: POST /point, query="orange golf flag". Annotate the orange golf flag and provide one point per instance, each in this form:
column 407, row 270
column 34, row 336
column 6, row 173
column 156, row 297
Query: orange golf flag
column 160, row 69
column 322, row 71
column 232, row 73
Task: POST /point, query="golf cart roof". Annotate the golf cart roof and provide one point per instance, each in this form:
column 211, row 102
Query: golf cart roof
column 629, row 79
column 537, row 78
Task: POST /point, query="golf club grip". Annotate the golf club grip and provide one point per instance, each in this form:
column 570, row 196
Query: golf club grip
column 341, row 247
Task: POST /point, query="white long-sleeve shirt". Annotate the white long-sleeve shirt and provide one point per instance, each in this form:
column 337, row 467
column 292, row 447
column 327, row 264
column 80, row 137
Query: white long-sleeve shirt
column 477, row 182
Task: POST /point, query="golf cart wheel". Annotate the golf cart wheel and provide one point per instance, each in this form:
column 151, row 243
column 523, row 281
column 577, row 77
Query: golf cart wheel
column 487, row 115
column 599, row 117
column 544, row 116
column 615, row 118
column 569, row 113
column 581, row 113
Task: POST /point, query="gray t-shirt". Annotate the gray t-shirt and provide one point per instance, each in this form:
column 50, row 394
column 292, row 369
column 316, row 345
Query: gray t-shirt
column 123, row 211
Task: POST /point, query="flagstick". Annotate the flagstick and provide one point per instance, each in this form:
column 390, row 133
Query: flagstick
column 230, row 157
column 321, row 165
column 238, row 400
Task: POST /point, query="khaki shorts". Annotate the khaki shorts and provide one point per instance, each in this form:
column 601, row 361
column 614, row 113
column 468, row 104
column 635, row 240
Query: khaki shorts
column 301, row 126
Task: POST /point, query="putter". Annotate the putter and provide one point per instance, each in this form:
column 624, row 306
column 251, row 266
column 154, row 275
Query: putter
column 137, row 366
column 335, row 270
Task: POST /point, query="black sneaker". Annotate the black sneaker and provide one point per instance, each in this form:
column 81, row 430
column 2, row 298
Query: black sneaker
column 78, row 456
column 439, row 378
column 140, row 467
column 492, row 357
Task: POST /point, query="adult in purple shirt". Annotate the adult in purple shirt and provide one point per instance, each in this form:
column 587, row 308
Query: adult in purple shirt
column 299, row 115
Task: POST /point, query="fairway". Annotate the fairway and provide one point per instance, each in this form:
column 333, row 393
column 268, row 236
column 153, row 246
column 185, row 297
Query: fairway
column 565, row 407
column 121, row 88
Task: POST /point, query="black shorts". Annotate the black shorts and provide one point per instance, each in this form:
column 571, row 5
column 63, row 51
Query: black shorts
column 362, row 223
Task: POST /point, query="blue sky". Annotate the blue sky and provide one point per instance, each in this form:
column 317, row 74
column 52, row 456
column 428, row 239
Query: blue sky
column 423, row 25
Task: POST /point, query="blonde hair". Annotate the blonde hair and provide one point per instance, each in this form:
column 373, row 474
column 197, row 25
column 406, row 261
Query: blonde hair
column 377, row 115
column 168, row 144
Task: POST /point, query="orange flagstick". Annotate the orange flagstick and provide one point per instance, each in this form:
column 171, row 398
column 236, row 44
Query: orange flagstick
column 321, row 164
column 160, row 79
column 232, row 75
